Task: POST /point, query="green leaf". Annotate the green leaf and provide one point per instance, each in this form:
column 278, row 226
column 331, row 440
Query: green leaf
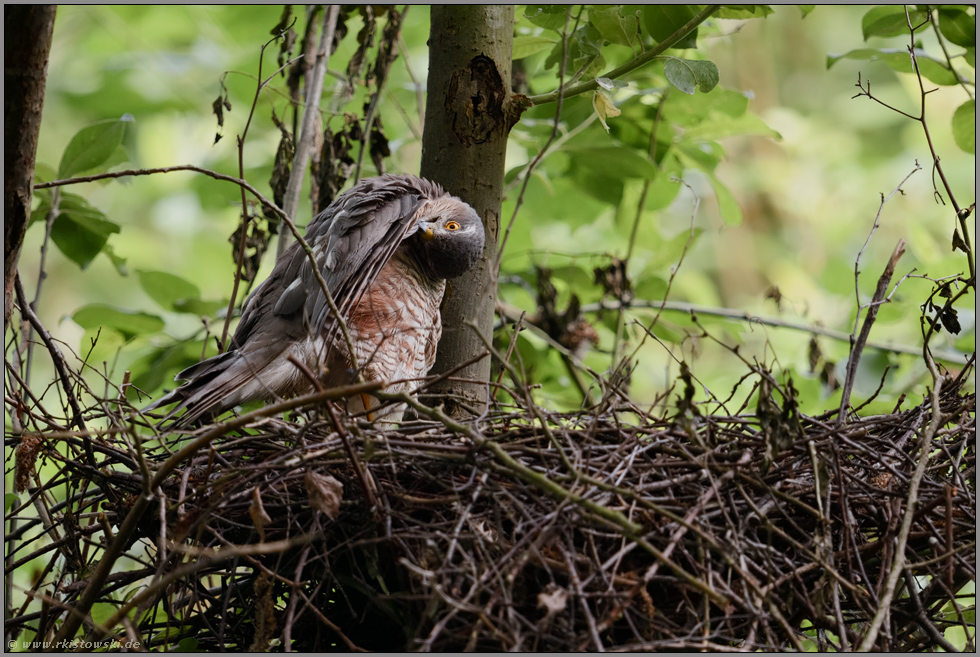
column 889, row 21
column 167, row 289
column 688, row 111
column 44, row 173
column 187, row 644
column 80, row 231
column 118, row 262
column 525, row 46
column 93, row 146
column 102, row 612
column 965, row 126
column 703, row 155
column 614, row 161
column 899, row 60
column 718, row 126
column 728, row 207
column 661, row 21
column 614, row 24
column 650, row 288
column 9, row 501
column 959, row 27
column 970, row 57
column 742, row 12
column 665, row 187
column 669, row 251
column 40, row 213
column 689, row 74
column 551, row 17
column 199, row 306
column 806, row 9
column 128, row 323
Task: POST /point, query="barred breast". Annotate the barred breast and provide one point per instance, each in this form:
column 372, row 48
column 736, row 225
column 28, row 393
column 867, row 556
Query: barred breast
column 396, row 327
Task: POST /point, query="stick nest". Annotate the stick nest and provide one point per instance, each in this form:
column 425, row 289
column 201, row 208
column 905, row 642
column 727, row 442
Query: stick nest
column 608, row 529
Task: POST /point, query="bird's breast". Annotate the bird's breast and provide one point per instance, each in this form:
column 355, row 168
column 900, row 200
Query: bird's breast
column 396, row 325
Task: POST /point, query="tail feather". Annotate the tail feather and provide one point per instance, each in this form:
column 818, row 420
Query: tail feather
column 216, row 385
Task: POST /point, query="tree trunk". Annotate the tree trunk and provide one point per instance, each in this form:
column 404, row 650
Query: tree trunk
column 26, row 43
column 469, row 112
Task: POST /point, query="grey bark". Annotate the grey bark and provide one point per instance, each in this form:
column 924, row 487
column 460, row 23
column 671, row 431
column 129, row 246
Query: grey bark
column 27, row 33
column 470, row 110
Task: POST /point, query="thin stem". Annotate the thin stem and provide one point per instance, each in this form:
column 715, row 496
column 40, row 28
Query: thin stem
column 311, row 113
column 631, row 65
column 554, row 133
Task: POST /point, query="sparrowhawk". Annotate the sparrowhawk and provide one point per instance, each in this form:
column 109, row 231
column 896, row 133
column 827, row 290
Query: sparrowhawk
column 384, row 249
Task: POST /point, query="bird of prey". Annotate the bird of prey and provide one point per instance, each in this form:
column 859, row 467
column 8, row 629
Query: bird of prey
column 384, row 249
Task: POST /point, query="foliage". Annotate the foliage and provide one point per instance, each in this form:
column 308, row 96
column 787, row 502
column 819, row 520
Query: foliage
column 693, row 201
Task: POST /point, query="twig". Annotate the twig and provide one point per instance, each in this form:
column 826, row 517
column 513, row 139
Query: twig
column 240, row 256
column 57, row 358
column 544, row 149
column 898, row 560
column 857, row 347
column 387, row 53
column 127, row 529
column 311, row 114
column 631, row 65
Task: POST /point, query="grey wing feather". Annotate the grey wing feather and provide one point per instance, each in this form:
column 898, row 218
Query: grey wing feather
column 352, row 240
column 360, row 237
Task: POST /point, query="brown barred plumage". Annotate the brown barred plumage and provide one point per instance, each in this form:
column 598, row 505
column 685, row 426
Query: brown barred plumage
column 384, row 249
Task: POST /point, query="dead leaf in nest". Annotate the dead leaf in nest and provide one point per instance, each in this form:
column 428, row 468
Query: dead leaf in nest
column 481, row 528
column 325, row 493
column 25, row 460
column 553, row 602
column 260, row 518
column 881, row 480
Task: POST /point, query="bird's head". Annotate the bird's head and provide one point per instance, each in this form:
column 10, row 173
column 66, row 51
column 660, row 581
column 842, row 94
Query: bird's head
column 450, row 237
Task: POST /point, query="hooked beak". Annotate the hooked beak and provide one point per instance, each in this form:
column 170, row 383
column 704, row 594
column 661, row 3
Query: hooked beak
column 425, row 230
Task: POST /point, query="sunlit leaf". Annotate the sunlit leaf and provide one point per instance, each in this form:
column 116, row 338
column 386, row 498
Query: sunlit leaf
column 688, row 74
column 958, row 26
column 965, row 126
column 127, row 322
column 718, row 126
column 649, row 287
column 80, row 231
column 661, row 21
column 889, row 21
column 93, row 146
column 44, row 173
column 614, row 161
column 690, row 110
column 199, row 306
column 669, row 251
column 616, row 24
column 933, row 69
column 552, row 17
column 806, row 9
column 728, row 207
column 525, row 46
column 167, row 289
column 117, row 261
column 743, row 12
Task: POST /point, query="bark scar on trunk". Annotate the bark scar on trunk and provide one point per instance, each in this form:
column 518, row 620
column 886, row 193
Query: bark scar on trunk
column 475, row 100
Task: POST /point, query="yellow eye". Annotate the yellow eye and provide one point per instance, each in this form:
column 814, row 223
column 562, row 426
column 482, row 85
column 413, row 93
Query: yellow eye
column 452, row 225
